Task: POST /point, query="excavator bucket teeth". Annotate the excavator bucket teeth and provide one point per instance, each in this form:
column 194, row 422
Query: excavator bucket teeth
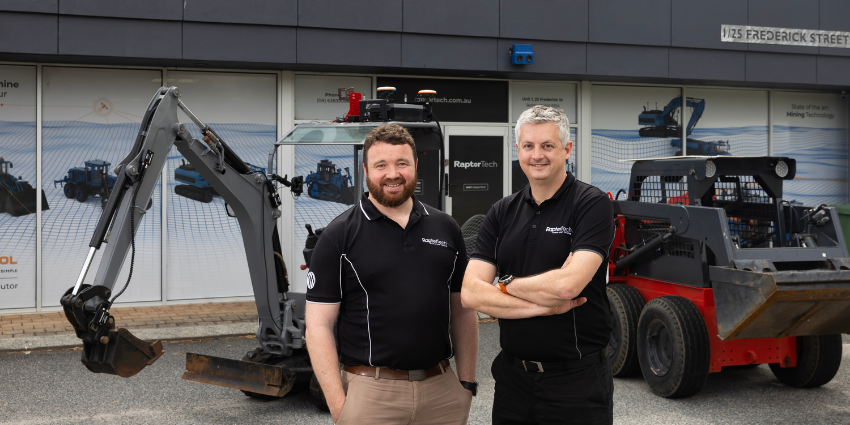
column 271, row 380
column 123, row 354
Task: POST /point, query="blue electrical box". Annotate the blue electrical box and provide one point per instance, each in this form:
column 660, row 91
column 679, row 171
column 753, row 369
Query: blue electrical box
column 522, row 54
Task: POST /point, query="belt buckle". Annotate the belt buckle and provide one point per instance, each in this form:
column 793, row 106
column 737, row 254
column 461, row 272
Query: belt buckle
column 538, row 366
column 416, row 375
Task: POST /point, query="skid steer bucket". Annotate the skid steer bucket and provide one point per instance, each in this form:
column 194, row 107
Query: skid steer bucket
column 757, row 301
column 24, row 203
column 274, row 380
column 105, row 349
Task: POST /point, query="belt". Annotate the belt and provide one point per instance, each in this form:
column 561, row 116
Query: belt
column 404, row 375
column 532, row 366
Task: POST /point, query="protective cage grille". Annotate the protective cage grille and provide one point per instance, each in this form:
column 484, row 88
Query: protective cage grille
column 655, row 189
column 751, row 212
column 675, row 246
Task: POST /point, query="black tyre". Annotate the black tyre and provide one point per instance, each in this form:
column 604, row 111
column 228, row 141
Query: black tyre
column 626, row 305
column 818, row 359
column 82, row 193
column 70, row 189
column 673, row 347
column 469, row 231
column 316, row 394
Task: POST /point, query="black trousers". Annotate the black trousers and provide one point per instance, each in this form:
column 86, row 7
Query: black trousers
column 577, row 396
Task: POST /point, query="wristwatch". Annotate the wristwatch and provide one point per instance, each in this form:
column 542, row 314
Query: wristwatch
column 471, row 386
column 504, row 281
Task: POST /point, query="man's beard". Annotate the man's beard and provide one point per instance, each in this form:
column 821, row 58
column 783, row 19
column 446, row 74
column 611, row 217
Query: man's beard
column 377, row 194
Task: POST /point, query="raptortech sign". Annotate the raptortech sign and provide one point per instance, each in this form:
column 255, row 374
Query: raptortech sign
column 784, row 36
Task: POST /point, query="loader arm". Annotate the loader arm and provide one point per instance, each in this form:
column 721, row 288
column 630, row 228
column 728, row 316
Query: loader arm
column 248, row 194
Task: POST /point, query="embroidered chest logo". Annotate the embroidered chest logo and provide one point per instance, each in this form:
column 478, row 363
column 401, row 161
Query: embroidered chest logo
column 435, row 242
column 560, row 230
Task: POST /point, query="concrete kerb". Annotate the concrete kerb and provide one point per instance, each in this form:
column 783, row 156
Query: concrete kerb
column 148, row 334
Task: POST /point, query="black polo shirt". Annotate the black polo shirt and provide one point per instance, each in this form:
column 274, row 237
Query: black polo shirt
column 522, row 239
column 393, row 284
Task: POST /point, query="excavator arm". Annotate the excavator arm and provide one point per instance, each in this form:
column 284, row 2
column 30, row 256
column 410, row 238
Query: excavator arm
column 249, row 195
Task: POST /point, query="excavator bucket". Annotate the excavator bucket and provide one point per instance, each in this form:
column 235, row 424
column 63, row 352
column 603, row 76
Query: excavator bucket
column 123, row 354
column 24, row 202
column 105, row 349
column 758, row 301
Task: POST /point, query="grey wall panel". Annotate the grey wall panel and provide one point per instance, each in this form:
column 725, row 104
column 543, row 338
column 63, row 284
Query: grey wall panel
column 564, row 20
column 27, row 33
column 372, row 15
column 644, row 22
column 550, row 57
column 238, row 43
column 834, row 16
column 119, row 37
column 784, row 14
column 39, row 6
column 333, row 47
column 627, row 61
column 448, row 52
column 452, row 17
column 696, row 23
column 834, row 70
column 147, row 9
column 263, row 12
column 781, row 68
column 701, row 64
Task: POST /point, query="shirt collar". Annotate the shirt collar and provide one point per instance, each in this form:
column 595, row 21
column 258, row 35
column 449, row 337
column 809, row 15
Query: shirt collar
column 371, row 212
column 526, row 193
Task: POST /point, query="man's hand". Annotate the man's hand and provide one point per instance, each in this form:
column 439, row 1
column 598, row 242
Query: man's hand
column 565, row 307
column 335, row 406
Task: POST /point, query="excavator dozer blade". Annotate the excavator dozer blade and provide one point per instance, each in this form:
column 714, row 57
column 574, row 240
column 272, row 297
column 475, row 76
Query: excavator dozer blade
column 123, row 354
column 776, row 304
column 271, row 380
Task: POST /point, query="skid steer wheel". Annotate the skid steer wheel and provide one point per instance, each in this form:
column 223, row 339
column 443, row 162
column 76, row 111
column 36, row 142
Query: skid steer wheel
column 673, row 347
column 818, row 359
column 626, row 305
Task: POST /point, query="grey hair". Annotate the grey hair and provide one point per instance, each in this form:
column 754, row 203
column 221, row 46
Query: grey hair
column 542, row 114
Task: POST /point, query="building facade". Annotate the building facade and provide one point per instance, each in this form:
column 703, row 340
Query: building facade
column 76, row 75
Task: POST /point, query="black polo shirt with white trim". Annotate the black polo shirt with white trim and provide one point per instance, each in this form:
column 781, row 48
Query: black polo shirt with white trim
column 393, row 284
column 522, row 239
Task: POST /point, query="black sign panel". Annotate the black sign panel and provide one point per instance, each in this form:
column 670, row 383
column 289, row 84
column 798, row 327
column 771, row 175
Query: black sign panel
column 475, row 174
column 456, row 100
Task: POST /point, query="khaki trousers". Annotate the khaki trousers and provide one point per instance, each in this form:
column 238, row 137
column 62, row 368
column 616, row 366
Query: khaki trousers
column 437, row 400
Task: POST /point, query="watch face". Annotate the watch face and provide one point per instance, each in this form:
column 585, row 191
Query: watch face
column 506, row 279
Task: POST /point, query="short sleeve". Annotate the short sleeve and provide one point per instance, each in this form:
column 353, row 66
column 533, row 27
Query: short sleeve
column 460, row 262
column 488, row 236
column 594, row 225
column 324, row 281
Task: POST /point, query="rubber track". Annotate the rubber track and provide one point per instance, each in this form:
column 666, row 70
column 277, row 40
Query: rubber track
column 693, row 356
column 632, row 302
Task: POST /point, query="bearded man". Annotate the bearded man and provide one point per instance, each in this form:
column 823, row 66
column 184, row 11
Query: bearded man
column 390, row 271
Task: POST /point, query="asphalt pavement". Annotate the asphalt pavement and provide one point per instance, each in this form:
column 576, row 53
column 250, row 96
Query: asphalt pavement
column 52, row 387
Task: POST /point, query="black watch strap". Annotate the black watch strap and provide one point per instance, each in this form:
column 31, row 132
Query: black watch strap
column 471, row 386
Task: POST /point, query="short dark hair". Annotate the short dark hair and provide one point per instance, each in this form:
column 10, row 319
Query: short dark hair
column 393, row 134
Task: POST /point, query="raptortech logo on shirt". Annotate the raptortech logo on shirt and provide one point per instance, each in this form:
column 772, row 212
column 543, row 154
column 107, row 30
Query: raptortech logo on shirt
column 435, row 242
column 563, row 230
